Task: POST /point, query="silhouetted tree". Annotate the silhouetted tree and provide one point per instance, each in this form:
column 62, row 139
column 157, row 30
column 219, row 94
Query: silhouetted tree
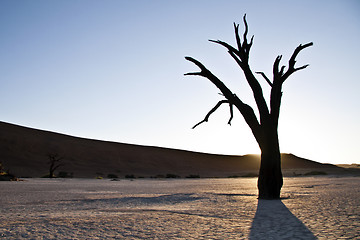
column 264, row 130
column 55, row 163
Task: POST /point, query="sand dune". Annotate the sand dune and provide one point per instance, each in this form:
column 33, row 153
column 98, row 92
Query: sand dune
column 24, row 151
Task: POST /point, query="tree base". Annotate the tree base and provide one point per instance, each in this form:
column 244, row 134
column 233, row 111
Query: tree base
column 270, row 177
column 269, row 191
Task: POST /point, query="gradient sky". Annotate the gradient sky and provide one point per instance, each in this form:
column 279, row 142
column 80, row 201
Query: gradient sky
column 113, row 70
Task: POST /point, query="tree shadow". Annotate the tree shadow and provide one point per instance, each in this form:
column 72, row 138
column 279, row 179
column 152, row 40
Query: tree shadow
column 273, row 220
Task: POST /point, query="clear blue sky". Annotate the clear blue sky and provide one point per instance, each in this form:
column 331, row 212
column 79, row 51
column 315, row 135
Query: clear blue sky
column 113, row 70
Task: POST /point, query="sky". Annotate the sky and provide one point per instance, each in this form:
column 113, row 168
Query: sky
column 114, row 70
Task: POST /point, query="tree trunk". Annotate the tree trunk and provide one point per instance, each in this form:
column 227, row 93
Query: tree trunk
column 270, row 176
column 51, row 173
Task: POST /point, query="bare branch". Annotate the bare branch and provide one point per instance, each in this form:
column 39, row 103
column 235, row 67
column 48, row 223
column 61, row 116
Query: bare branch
column 231, row 113
column 193, row 73
column 246, row 46
column 243, row 48
column 282, row 70
column 228, row 46
column 54, row 158
column 266, row 78
column 296, row 52
column 237, row 60
column 276, row 65
column 237, row 36
column 300, row 68
column 197, row 63
column 57, row 166
column 207, row 74
column 251, row 41
column 212, row 111
column 292, row 61
column 246, row 111
column 246, row 30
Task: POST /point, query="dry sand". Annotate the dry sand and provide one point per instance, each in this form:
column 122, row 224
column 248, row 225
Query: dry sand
column 312, row 207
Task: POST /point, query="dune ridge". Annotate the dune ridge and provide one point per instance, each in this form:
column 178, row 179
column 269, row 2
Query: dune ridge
column 24, row 152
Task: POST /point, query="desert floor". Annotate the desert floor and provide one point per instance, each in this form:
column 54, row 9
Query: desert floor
column 311, row 208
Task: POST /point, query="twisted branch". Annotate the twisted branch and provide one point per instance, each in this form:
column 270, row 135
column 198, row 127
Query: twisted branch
column 292, row 62
column 206, row 119
column 245, row 110
column 207, row 74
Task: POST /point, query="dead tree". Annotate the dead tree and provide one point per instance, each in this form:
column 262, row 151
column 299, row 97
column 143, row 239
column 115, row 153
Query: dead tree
column 264, row 129
column 55, row 163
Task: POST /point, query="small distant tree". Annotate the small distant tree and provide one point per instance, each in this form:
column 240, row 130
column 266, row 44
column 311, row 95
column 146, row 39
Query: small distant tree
column 265, row 129
column 54, row 163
